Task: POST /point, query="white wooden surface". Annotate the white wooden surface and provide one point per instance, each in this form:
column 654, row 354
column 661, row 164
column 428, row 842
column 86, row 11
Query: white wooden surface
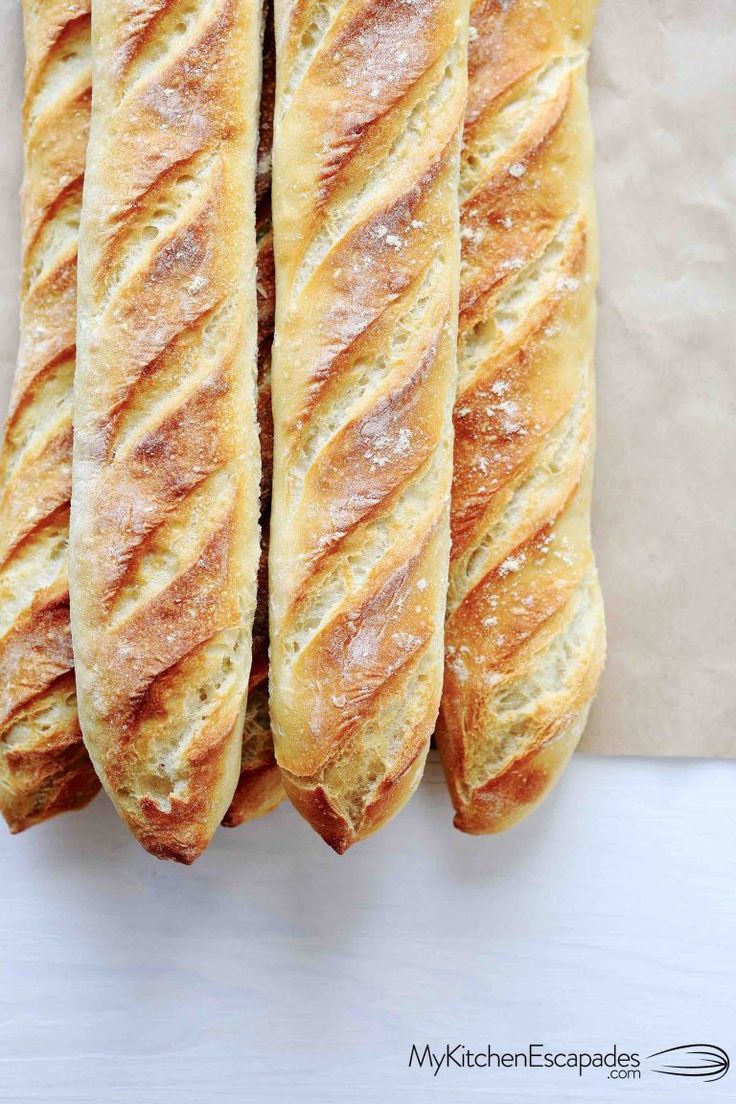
column 275, row 971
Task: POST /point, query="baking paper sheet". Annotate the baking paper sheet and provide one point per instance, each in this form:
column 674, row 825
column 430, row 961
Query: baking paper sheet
column 663, row 89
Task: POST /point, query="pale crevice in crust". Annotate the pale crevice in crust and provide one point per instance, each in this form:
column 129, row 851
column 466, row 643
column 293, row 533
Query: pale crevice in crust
column 357, row 387
column 170, row 205
column 557, row 467
column 37, row 565
column 187, row 366
column 165, row 772
column 510, row 312
column 361, row 204
column 306, row 46
column 56, row 241
column 367, row 552
column 174, row 546
column 45, row 768
column 43, row 416
column 539, row 688
column 43, row 716
column 493, row 146
column 64, row 73
column 168, row 32
column 525, row 631
column 387, row 746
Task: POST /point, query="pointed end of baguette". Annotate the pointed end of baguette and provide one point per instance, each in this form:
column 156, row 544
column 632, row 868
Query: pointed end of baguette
column 259, row 792
column 340, row 830
column 510, row 796
column 37, row 784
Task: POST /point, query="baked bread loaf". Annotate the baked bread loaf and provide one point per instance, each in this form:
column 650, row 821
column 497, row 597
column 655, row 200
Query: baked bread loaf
column 369, row 106
column 44, row 768
column 525, row 627
column 259, row 788
column 164, row 523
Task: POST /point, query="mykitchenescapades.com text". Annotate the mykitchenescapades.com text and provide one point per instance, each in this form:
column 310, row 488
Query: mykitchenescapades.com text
column 619, row 1064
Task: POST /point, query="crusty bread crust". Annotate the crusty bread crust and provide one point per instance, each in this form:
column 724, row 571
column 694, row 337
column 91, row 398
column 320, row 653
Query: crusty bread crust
column 369, row 106
column 44, row 769
column 259, row 788
column 164, row 526
column 525, row 632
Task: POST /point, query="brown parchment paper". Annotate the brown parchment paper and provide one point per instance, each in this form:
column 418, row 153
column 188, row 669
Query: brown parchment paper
column 663, row 90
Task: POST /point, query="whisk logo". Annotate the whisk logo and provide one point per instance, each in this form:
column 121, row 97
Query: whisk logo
column 704, row 1061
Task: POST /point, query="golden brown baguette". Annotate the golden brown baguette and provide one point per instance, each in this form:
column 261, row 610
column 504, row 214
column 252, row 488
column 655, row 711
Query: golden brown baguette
column 259, row 788
column 369, row 105
column 44, row 768
column 164, row 524
column 525, row 629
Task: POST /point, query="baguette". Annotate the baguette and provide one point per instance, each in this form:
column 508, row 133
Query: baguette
column 369, row 107
column 259, row 788
column 525, row 633
column 164, row 521
column 44, row 769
